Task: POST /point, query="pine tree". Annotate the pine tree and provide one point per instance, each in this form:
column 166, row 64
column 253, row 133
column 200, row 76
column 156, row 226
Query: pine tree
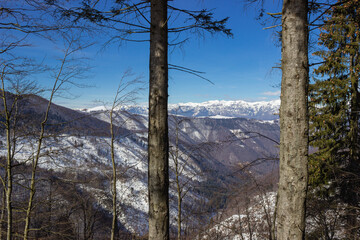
column 334, row 100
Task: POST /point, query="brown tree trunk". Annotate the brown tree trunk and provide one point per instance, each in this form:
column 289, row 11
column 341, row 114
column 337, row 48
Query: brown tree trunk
column 293, row 122
column 158, row 150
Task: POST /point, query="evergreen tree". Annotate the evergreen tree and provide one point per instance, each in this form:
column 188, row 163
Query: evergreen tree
column 334, row 109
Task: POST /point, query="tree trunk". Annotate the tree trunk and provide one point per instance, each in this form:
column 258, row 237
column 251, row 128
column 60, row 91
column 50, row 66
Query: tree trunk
column 158, row 150
column 293, row 122
column 9, row 183
column 9, row 157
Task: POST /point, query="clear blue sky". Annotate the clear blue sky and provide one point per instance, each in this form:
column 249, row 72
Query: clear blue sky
column 240, row 67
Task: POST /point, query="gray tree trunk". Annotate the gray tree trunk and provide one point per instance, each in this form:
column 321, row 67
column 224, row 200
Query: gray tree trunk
column 293, row 122
column 158, row 150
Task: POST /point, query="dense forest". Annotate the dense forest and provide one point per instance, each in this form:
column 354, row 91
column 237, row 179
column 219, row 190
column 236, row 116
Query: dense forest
column 110, row 173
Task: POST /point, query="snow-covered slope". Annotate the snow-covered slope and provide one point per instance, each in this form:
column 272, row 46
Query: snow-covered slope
column 250, row 222
column 209, row 149
column 216, row 109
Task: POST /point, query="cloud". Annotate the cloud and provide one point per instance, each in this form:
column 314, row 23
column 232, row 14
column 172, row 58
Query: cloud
column 276, row 93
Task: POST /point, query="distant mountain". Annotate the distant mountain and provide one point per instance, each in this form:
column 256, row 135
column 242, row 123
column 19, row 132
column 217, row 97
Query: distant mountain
column 217, row 109
column 239, row 108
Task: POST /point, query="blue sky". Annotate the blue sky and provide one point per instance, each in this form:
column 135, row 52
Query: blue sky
column 240, row 67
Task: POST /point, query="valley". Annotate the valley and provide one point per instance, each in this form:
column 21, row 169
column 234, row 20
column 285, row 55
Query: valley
column 212, row 156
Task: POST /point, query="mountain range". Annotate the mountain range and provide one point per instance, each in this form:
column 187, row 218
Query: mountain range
column 214, row 109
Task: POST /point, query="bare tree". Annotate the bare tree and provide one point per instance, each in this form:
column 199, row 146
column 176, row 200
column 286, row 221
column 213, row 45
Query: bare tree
column 65, row 75
column 21, row 22
column 124, row 94
column 174, row 153
column 180, row 155
column 13, row 85
column 7, row 181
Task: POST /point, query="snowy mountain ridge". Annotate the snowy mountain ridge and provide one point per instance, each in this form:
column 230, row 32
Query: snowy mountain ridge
column 229, row 103
column 263, row 110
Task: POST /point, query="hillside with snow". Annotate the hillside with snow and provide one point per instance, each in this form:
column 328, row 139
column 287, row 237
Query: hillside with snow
column 215, row 149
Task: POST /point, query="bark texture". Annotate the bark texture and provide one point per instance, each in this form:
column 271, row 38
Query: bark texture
column 293, row 122
column 158, row 150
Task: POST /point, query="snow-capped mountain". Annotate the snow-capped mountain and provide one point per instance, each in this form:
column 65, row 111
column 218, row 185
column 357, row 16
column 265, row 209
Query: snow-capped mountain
column 216, row 109
column 243, row 109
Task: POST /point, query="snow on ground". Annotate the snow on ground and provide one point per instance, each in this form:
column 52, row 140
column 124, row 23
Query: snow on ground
column 72, row 154
column 251, row 222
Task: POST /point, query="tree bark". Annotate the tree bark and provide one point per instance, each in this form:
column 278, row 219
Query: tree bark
column 293, row 122
column 158, row 146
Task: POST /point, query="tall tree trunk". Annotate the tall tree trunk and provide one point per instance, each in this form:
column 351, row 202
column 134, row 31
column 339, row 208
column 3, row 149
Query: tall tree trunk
column 293, row 122
column 158, row 150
